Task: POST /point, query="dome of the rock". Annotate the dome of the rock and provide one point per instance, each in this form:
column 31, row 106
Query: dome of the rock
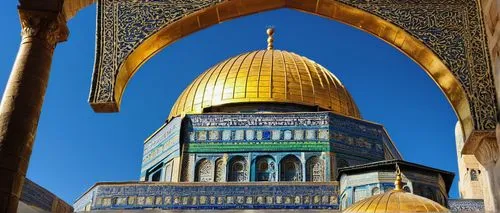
column 266, row 76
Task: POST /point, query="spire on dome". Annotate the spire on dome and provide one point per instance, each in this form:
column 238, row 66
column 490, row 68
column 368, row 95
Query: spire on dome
column 270, row 39
column 398, row 184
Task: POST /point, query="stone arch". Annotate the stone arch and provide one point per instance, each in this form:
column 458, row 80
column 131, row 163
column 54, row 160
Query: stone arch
column 315, row 169
column 265, row 168
column 237, row 169
column 220, row 170
column 290, row 169
column 438, row 60
column 203, row 171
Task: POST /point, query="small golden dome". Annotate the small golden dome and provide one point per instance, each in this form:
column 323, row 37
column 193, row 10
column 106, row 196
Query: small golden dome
column 266, row 76
column 396, row 200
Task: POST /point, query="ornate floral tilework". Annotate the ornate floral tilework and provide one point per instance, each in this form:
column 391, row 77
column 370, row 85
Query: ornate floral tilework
column 299, row 135
column 239, row 135
column 323, row 134
column 202, row 135
column 310, row 134
column 287, row 135
column 213, row 135
column 226, row 135
column 258, row 134
column 250, row 135
column 276, row 135
column 192, row 136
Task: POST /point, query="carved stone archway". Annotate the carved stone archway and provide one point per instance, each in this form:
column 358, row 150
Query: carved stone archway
column 450, row 39
column 446, row 37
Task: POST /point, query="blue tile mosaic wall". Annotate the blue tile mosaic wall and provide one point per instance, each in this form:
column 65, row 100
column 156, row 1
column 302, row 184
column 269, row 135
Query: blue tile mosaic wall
column 344, row 134
column 162, row 146
column 141, row 195
column 34, row 195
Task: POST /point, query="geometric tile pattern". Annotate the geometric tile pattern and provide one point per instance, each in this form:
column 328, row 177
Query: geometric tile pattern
column 140, row 195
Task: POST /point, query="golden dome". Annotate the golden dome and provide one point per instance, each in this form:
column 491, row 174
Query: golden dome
column 396, row 200
column 266, row 76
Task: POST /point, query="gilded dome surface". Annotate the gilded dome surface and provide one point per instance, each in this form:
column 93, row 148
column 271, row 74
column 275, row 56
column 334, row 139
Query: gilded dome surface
column 266, row 76
column 396, row 200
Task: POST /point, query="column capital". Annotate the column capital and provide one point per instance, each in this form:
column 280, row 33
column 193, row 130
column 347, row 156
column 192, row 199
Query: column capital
column 49, row 27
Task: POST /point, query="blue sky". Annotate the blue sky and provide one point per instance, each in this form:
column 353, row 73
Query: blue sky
column 76, row 147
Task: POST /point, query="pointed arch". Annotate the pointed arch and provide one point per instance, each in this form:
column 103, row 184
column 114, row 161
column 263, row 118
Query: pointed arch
column 203, row 171
column 290, row 169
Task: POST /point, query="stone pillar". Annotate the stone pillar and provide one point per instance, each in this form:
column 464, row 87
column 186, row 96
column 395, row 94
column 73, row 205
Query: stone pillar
column 23, row 97
column 487, row 153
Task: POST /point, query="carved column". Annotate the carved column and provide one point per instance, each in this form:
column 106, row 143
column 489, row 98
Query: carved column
column 487, row 153
column 23, row 97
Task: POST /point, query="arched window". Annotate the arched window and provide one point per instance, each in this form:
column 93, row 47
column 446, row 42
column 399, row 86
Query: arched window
column 203, row 171
column 375, row 191
column 219, row 170
column 237, row 169
column 315, row 169
column 291, row 169
column 265, row 169
column 473, row 175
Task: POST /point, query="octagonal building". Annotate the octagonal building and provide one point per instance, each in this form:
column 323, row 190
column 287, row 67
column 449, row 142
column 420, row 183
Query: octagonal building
column 266, row 129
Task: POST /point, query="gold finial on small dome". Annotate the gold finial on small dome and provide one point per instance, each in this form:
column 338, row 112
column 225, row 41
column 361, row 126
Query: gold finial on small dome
column 396, row 200
column 270, row 39
column 398, row 183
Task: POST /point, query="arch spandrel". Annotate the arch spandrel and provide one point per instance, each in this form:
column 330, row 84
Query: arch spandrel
column 446, row 37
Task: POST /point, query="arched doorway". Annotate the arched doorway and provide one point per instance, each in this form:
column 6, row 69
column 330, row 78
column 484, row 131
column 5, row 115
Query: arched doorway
column 290, row 169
